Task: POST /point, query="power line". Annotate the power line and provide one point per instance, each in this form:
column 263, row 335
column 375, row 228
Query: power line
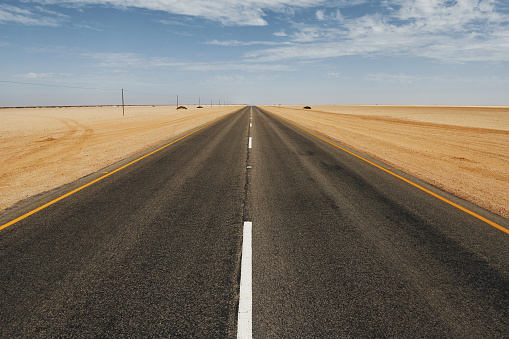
column 80, row 87
column 60, row 86
column 87, row 88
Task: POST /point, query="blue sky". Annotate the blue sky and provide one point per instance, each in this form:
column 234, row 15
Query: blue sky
column 421, row 52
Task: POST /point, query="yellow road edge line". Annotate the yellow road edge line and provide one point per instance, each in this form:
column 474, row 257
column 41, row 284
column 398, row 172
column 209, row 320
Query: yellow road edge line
column 107, row 175
column 489, row 222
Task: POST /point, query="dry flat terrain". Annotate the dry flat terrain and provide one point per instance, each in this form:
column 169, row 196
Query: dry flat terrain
column 463, row 150
column 43, row 148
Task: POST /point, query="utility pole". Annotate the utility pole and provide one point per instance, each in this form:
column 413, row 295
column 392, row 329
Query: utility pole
column 177, row 101
column 123, row 113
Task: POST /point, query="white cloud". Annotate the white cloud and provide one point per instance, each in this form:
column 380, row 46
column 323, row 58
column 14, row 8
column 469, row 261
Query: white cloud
column 177, row 23
column 320, row 15
column 36, row 75
column 306, row 33
column 409, row 79
column 280, row 33
column 89, row 27
column 181, row 33
column 242, row 43
column 450, row 31
column 332, row 75
column 350, row 3
column 52, row 13
column 118, row 61
column 460, row 31
column 237, row 66
column 302, row 51
column 395, row 78
column 228, row 12
column 37, row 16
column 442, row 16
column 236, row 79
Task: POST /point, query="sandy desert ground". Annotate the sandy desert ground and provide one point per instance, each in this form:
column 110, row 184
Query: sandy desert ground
column 463, row 150
column 44, row 148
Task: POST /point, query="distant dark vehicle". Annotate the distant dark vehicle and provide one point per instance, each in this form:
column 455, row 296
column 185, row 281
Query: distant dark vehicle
column 182, row 107
column 307, row 107
column 199, row 107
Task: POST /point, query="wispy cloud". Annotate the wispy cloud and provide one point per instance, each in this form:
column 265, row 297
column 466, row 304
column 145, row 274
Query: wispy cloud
column 322, row 15
column 137, row 61
column 332, row 75
column 410, row 79
column 243, row 43
column 129, row 60
column 308, row 33
column 236, row 79
column 184, row 23
column 280, row 33
column 36, row 16
column 443, row 16
column 237, row 66
column 181, row 33
column 87, row 26
column 36, row 75
column 400, row 78
column 228, row 12
column 457, row 31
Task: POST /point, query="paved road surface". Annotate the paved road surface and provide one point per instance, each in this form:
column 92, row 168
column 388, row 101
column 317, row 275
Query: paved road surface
column 340, row 247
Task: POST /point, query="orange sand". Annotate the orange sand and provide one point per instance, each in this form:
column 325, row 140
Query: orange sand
column 43, row 148
column 462, row 150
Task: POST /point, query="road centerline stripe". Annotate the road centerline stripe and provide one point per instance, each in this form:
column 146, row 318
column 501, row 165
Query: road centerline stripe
column 250, row 142
column 245, row 316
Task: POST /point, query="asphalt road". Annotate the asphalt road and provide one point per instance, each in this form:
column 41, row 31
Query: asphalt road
column 340, row 248
column 150, row 251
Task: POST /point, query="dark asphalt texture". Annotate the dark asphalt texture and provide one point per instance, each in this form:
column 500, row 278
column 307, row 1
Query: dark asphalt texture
column 151, row 251
column 340, row 247
column 343, row 249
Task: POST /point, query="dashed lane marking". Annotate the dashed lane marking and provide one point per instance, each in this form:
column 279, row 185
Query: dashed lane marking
column 245, row 316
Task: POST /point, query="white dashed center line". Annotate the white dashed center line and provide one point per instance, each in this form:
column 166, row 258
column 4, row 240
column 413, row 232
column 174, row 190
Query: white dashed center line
column 245, row 317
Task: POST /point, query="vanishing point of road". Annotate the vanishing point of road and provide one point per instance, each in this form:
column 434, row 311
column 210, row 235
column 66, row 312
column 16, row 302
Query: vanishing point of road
column 252, row 227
